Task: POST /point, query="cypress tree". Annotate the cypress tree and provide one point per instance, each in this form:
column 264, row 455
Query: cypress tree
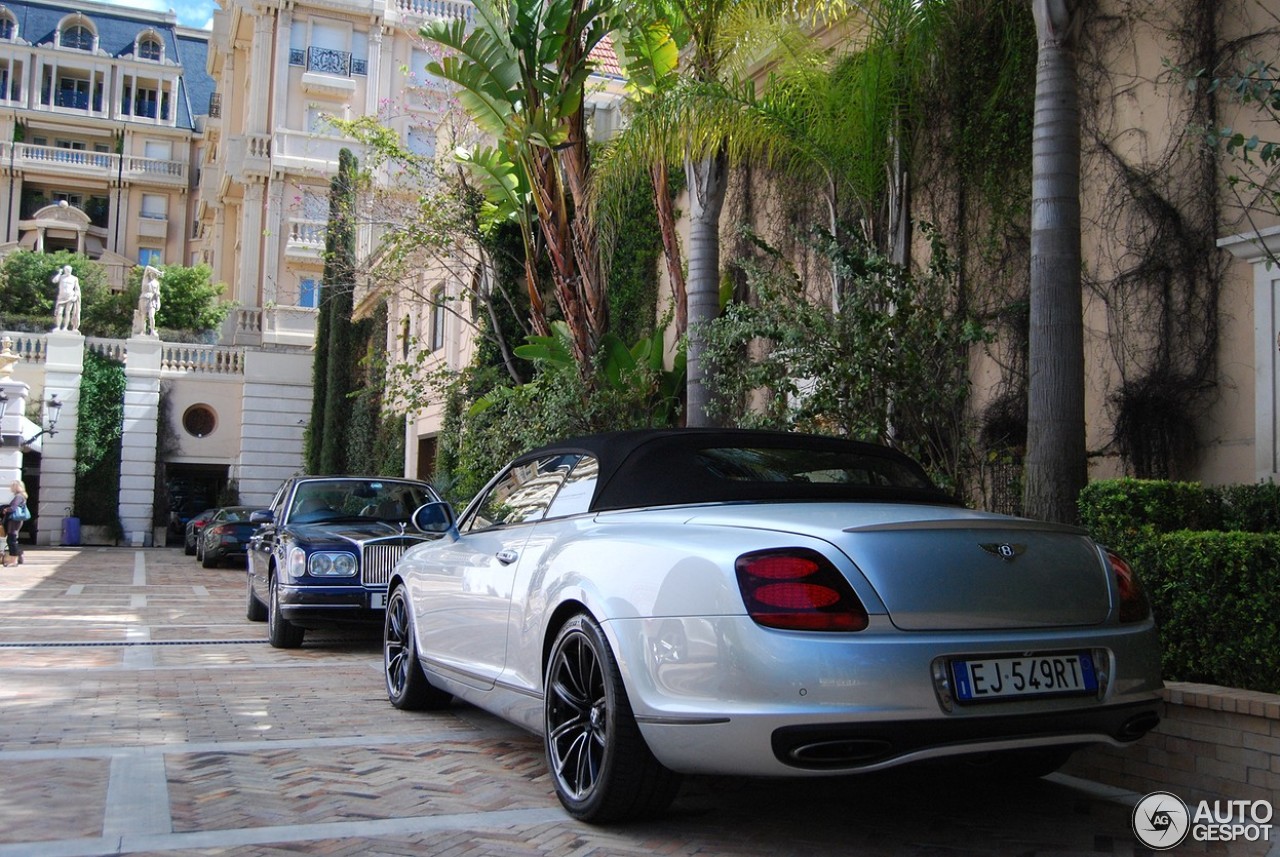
column 339, row 283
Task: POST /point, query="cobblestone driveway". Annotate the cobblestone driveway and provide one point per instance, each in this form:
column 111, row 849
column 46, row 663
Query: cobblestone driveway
column 140, row 713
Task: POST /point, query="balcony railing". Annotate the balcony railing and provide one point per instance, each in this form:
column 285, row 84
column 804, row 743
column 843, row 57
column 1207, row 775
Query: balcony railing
column 446, row 9
column 70, row 157
column 328, row 61
column 211, row 359
column 307, row 235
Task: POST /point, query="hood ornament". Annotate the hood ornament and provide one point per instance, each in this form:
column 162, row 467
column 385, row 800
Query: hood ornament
column 1006, row 551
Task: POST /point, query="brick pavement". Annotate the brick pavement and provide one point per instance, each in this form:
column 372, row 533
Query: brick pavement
column 141, row 713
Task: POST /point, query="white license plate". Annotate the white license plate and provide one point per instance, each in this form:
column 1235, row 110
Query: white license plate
column 378, row 601
column 1031, row 675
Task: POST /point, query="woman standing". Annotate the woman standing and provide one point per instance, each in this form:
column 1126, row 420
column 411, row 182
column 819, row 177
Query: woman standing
column 16, row 514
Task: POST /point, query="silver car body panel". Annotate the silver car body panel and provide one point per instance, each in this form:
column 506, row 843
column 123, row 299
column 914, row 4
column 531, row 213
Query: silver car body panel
column 707, row 684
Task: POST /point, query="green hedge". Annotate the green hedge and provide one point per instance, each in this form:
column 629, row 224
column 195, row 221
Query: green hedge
column 1210, row 560
column 1216, row 596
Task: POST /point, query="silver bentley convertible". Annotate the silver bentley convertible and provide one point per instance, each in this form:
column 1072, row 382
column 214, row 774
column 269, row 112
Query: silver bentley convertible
column 660, row 603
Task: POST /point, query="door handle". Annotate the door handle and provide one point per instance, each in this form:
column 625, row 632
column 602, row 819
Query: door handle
column 507, row 556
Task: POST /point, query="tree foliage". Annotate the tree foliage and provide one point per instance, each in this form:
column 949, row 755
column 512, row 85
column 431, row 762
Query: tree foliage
column 326, row 438
column 189, row 299
column 27, row 289
column 889, row 367
column 521, row 68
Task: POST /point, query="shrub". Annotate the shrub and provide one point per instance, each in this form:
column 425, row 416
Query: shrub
column 1210, row 559
column 1216, row 596
column 1116, row 510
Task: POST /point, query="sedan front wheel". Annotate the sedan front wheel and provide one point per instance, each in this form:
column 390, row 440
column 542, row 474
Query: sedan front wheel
column 281, row 633
column 602, row 767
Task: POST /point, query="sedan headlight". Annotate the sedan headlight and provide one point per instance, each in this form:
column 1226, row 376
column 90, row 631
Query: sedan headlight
column 333, row 565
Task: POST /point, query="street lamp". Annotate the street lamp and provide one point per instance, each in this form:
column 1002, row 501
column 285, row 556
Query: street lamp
column 53, row 410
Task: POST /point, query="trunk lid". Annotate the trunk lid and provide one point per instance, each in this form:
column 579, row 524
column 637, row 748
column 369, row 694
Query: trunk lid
column 942, row 568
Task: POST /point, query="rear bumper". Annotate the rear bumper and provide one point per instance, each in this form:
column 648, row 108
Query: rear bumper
column 856, row 746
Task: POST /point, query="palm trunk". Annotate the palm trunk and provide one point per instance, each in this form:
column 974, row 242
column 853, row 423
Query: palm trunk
column 670, row 245
column 706, row 180
column 1056, row 457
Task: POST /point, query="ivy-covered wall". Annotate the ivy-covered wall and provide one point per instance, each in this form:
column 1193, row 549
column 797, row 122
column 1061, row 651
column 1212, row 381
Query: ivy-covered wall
column 98, row 436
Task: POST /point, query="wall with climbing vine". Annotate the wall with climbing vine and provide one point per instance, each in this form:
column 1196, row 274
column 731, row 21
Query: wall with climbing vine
column 1167, row 317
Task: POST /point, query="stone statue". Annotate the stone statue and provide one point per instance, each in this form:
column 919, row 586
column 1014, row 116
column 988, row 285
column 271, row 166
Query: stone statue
column 7, row 358
column 66, row 312
column 149, row 300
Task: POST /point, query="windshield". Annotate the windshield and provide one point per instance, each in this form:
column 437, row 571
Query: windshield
column 372, row 499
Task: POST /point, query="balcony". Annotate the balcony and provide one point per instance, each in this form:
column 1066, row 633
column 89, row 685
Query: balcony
column 434, row 9
column 249, row 155
column 153, row 226
column 301, row 151
column 155, row 171
column 56, row 160
column 70, row 101
column 306, row 239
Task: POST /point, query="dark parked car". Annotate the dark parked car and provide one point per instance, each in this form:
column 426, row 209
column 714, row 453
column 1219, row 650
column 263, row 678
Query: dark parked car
column 225, row 535
column 324, row 551
column 193, row 528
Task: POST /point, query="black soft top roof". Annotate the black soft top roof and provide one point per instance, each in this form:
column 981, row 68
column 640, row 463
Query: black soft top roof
column 665, row 467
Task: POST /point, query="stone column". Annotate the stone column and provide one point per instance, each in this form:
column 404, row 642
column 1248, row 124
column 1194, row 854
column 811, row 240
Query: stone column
column 277, row 224
column 139, row 437
column 249, row 289
column 15, row 406
column 260, row 66
column 63, row 368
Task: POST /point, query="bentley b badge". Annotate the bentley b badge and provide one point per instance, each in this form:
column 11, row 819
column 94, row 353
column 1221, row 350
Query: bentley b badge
column 1004, row 550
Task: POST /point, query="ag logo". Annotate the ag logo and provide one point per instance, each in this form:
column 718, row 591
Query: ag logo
column 1161, row 821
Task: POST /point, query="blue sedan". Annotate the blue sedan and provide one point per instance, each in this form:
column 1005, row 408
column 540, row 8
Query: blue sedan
column 324, row 551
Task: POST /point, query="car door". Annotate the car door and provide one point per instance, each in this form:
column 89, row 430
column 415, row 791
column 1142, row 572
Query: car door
column 462, row 595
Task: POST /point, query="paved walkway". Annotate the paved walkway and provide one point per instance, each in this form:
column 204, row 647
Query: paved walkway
column 140, row 713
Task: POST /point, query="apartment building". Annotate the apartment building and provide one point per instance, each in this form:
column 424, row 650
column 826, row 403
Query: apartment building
column 100, row 108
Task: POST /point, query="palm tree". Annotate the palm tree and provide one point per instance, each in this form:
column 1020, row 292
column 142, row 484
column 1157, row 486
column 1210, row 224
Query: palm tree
column 522, row 73
column 1055, row 461
column 689, row 117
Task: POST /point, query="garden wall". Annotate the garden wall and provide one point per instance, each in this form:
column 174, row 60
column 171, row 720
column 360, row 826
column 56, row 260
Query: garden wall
column 1212, row 743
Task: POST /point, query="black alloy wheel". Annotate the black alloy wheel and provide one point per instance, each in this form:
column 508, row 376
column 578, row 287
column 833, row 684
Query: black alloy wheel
column 602, row 768
column 407, row 687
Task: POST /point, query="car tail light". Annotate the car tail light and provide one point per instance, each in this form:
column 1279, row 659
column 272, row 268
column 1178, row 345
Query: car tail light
column 798, row 590
column 1134, row 606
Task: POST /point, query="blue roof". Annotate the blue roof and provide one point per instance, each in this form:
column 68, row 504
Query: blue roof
column 118, row 29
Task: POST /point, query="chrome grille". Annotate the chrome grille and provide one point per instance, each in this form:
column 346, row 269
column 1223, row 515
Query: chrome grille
column 379, row 558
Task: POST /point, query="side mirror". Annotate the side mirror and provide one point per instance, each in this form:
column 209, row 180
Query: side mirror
column 436, row 518
column 262, row 516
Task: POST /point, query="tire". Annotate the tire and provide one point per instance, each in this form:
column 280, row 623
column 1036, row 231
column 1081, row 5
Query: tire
column 199, row 550
column 407, row 686
column 281, row 633
column 255, row 610
column 601, row 767
column 207, row 561
column 188, row 548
